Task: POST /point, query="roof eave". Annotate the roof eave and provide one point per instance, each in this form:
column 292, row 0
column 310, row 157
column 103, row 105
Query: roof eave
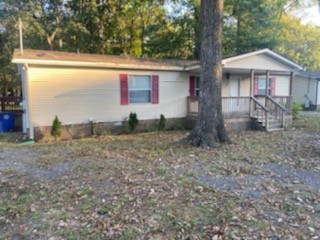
column 194, row 67
column 96, row 65
column 268, row 51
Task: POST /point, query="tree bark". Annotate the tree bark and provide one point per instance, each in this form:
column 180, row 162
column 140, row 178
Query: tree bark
column 209, row 129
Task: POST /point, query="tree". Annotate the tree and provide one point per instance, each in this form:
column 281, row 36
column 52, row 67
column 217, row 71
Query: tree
column 300, row 42
column 209, row 129
column 250, row 25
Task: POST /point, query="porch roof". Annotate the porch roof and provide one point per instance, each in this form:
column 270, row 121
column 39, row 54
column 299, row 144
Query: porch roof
column 260, row 60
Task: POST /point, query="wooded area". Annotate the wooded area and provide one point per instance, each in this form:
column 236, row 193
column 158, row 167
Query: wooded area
column 157, row 29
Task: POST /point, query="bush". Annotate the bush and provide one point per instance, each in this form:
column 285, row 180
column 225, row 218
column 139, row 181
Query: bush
column 133, row 121
column 295, row 110
column 162, row 122
column 56, row 128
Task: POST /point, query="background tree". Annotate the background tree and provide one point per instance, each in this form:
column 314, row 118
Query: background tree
column 300, row 42
column 249, row 25
column 157, row 29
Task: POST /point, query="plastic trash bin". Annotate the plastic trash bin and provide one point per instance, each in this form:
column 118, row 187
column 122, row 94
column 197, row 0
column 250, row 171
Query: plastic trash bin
column 6, row 121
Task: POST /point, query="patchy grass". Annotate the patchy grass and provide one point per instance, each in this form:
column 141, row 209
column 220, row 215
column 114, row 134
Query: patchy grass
column 146, row 186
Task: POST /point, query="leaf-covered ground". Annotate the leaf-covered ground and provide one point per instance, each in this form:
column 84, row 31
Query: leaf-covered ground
column 146, row 186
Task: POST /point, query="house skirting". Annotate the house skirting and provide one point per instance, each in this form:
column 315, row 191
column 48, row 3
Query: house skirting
column 238, row 124
column 76, row 131
column 231, row 124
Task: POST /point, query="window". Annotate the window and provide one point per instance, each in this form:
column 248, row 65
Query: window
column 197, row 88
column 140, row 89
column 262, row 86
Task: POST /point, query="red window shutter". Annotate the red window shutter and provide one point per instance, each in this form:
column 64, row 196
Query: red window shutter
column 273, row 86
column 256, row 86
column 192, row 89
column 124, row 89
column 155, row 89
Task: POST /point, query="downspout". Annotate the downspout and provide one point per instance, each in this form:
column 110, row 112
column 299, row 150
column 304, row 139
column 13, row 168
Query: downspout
column 317, row 94
column 25, row 123
column 28, row 103
column 307, row 103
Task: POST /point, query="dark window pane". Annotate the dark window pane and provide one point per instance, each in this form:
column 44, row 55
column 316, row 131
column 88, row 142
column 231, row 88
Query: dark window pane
column 140, row 96
column 197, row 82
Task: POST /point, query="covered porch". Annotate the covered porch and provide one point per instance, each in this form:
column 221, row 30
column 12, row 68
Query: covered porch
column 251, row 99
column 256, row 90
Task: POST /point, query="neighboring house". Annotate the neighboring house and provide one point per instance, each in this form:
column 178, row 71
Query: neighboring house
column 80, row 88
column 306, row 90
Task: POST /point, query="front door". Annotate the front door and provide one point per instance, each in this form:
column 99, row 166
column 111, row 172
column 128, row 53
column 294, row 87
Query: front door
column 234, row 87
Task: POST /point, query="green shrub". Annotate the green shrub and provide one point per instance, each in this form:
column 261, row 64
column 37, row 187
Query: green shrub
column 56, row 128
column 162, row 122
column 133, row 121
column 295, row 110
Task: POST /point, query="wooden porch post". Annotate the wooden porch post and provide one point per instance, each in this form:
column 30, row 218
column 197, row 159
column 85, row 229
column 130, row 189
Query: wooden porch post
column 251, row 83
column 267, row 82
column 291, row 84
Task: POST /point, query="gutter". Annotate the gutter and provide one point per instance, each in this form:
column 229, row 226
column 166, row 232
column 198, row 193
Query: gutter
column 317, row 93
column 96, row 65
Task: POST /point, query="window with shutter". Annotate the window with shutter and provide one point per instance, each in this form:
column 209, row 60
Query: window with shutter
column 139, row 89
column 260, row 86
column 124, row 89
column 155, row 89
column 192, row 87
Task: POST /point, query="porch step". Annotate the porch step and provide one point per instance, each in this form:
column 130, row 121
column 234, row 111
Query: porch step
column 273, row 124
column 276, row 129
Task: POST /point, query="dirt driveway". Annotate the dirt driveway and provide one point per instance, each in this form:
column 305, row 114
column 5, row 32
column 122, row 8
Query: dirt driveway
column 146, row 186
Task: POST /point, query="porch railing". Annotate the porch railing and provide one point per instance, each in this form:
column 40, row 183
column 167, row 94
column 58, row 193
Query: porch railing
column 232, row 107
column 192, row 105
column 276, row 110
column 259, row 111
column 286, row 102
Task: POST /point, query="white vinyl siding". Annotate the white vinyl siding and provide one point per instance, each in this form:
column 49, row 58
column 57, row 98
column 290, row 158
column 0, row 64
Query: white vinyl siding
column 260, row 61
column 282, row 85
column 77, row 94
column 300, row 90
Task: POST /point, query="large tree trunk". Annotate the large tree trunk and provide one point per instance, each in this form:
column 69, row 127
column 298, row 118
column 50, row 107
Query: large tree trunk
column 209, row 128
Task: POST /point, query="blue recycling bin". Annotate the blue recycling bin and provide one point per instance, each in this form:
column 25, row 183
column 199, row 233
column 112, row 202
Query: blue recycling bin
column 6, row 121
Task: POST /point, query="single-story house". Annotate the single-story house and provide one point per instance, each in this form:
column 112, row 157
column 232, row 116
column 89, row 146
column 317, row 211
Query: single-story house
column 84, row 88
column 306, row 89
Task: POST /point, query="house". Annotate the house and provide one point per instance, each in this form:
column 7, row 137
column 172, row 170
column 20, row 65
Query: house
column 84, row 88
column 306, row 90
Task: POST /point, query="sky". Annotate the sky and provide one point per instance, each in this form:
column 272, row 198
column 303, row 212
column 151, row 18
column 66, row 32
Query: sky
column 311, row 15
